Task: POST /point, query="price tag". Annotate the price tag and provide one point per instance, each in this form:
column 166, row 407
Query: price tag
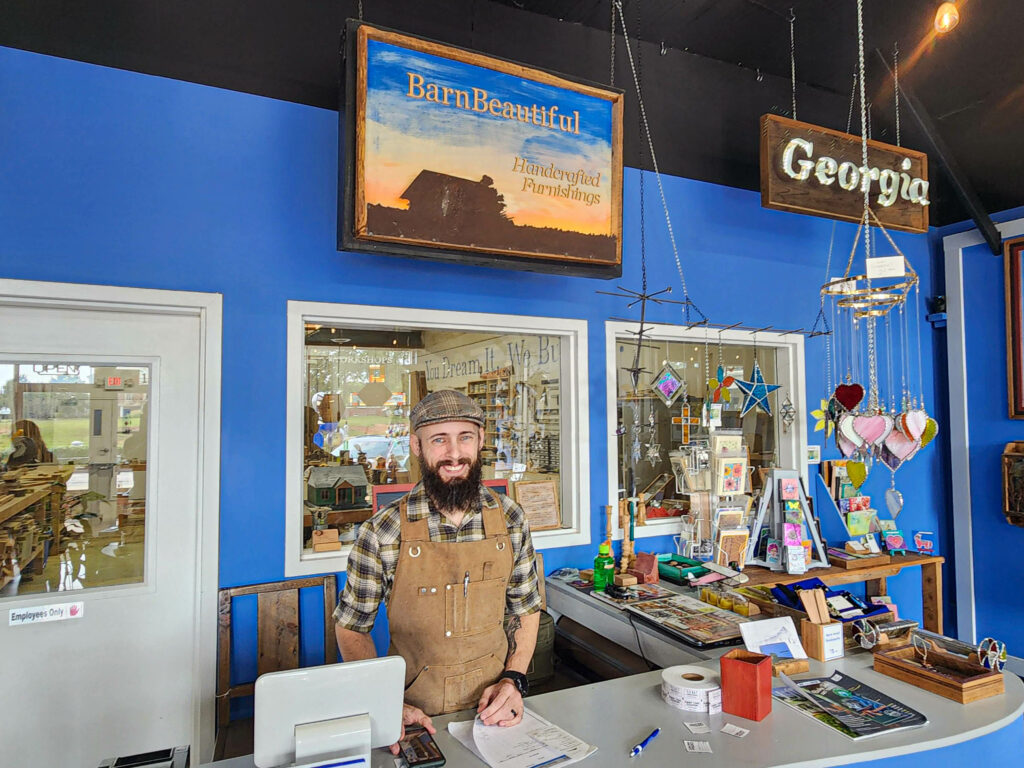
column 886, row 266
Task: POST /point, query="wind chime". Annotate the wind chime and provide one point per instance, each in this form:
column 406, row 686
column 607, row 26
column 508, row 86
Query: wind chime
column 875, row 341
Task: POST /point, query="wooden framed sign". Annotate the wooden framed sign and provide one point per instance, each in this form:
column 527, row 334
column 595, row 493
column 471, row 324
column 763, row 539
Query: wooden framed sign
column 1013, row 253
column 454, row 155
column 539, row 500
column 809, row 169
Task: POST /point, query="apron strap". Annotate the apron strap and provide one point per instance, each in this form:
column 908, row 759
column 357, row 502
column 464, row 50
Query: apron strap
column 494, row 517
column 412, row 530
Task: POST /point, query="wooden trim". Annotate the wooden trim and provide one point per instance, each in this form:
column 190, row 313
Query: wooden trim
column 276, row 586
column 1013, row 252
column 367, row 31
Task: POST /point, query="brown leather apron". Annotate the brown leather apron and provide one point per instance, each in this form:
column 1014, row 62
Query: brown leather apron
column 445, row 612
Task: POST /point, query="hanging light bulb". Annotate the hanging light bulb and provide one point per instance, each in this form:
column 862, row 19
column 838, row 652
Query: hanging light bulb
column 947, row 17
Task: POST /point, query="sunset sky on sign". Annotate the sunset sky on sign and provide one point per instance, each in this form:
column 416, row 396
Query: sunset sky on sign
column 404, row 136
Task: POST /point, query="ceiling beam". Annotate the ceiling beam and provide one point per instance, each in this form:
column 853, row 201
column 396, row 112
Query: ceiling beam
column 961, row 184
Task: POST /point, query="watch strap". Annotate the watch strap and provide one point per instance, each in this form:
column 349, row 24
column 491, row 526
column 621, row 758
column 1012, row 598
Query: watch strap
column 519, row 680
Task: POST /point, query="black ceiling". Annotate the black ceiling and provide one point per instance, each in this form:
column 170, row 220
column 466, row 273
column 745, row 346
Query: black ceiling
column 710, row 68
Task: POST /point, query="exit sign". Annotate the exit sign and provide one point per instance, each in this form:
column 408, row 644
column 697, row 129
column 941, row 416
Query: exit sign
column 115, row 382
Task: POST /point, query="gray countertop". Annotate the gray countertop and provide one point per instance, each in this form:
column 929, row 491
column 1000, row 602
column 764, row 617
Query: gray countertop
column 616, row 714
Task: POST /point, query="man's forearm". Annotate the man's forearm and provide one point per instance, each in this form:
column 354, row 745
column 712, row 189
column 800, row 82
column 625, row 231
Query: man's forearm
column 356, row 645
column 522, row 641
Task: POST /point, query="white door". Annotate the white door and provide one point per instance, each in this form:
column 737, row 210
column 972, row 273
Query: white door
column 136, row 671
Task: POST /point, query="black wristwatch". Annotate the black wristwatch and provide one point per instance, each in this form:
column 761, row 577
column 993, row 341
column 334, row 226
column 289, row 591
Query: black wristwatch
column 519, row 680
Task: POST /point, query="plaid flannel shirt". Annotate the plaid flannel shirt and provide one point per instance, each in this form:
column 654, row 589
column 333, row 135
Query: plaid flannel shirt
column 372, row 561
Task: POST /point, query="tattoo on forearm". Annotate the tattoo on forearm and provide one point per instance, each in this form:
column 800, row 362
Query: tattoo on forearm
column 513, row 626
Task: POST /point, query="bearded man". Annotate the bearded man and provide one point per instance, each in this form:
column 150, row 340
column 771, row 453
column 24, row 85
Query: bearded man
column 448, row 560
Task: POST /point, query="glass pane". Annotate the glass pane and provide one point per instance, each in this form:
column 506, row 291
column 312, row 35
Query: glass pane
column 360, row 385
column 672, row 438
column 73, row 442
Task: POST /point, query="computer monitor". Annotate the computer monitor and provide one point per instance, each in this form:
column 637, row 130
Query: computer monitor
column 330, row 715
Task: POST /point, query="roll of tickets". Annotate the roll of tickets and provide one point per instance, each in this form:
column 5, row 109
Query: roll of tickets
column 691, row 689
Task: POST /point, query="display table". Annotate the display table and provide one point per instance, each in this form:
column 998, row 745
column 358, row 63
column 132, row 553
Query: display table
column 873, row 579
column 616, row 714
column 652, row 643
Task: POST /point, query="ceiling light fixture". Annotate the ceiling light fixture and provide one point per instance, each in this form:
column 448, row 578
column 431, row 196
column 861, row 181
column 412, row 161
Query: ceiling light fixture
column 947, row 17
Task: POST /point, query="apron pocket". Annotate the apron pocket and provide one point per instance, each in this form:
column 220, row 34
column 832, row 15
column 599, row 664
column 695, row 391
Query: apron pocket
column 480, row 608
column 464, row 684
column 426, row 690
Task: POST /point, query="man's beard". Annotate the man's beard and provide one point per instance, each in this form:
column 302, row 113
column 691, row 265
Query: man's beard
column 453, row 495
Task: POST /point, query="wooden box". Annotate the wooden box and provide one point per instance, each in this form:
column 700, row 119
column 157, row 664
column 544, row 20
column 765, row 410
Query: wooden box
column 824, row 642
column 859, row 562
column 326, row 540
column 746, row 684
column 953, row 677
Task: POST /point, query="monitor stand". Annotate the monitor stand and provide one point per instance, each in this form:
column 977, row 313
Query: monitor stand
column 344, row 741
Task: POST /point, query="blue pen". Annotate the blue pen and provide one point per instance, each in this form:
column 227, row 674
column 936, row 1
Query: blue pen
column 640, row 747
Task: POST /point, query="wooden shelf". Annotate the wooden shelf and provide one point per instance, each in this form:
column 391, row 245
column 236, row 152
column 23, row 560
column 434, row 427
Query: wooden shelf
column 21, row 503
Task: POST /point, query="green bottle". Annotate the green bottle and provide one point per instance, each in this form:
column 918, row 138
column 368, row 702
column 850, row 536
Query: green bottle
column 604, row 567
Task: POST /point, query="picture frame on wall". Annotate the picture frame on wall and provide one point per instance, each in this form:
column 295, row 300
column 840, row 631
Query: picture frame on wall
column 539, row 500
column 1013, row 253
column 457, row 156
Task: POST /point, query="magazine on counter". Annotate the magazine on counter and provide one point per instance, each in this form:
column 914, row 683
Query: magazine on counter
column 856, row 710
column 694, row 622
column 637, row 593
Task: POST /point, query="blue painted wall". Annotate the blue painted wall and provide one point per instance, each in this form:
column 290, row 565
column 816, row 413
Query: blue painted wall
column 119, row 178
column 997, row 546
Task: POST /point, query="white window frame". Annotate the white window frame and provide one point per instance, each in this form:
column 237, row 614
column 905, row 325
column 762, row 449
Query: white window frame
column 789, row 349
column 574, row 471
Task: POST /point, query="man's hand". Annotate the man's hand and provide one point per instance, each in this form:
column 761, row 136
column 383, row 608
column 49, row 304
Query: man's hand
column 501, row 704
column 413, row 716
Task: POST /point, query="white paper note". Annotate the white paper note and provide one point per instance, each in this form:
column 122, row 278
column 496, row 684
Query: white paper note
column 532, row 742
column 698, row 746
column 734, row 730
column 698, row 727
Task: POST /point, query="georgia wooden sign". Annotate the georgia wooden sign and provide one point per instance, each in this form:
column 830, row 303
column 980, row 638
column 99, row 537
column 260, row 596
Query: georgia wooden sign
column 809, row 169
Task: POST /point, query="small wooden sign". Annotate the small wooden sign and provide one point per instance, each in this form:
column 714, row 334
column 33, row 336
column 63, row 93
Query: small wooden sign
column 539, row 500
column 818, row 171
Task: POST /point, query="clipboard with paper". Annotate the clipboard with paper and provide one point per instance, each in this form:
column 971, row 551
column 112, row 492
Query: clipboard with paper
column 533, row 743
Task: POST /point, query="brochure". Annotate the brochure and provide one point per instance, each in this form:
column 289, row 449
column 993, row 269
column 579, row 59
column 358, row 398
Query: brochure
column 847, row 705
column 696, row 623
column 634, row 594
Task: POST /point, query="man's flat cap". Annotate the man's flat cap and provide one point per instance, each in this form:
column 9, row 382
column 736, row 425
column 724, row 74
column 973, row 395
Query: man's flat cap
column 445, row 405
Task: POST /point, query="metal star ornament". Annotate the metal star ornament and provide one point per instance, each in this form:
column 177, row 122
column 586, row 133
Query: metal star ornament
column 654, row 453
column 755, row 391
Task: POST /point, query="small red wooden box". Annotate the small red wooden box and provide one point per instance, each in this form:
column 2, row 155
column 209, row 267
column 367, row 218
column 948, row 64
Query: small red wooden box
column 746, row 684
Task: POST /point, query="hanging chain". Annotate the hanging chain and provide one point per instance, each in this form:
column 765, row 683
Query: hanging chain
column 853, row 100
column 360, row 10
column 650, row 146
column 640, row 158
column 866, row 187
column 611, row 65
column 707, row 358
column 792, row 57
column 917, row 331
column 863, row 120
column 896, row 86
